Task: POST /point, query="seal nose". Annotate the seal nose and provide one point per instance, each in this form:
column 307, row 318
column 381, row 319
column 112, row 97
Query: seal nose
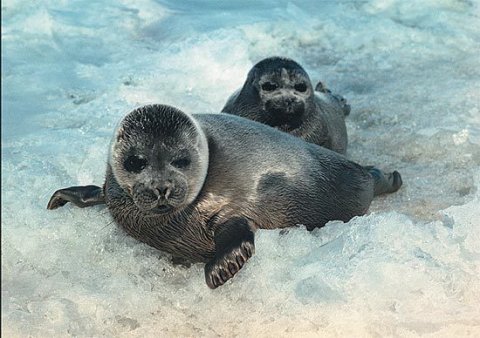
column 289, row 101
column 163, row 191
column 291, row 106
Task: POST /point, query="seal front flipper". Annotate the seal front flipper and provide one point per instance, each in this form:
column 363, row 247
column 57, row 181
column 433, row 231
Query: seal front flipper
column 81, row 196
column 234, row 245
column 384, row 182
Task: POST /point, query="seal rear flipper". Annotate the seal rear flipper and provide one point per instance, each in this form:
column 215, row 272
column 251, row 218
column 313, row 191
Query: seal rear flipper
column 342, row 102
column 320, row 87
column 385, row 183
column 234, row 245
column 81, row 196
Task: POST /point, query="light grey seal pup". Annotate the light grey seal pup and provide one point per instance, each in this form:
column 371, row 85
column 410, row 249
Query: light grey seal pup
column 279, row 93
column 199, row 186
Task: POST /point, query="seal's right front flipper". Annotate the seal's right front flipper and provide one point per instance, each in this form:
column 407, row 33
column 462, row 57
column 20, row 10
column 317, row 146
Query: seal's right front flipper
column 234, row 245
column 81, row 196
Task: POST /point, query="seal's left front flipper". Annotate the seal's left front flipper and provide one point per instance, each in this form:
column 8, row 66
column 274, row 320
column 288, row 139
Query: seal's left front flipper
column 81, row 196
column 234, row 245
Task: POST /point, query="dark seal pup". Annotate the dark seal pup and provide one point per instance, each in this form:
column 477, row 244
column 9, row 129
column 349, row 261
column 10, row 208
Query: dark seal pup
column 199, row 186
column 279, row 93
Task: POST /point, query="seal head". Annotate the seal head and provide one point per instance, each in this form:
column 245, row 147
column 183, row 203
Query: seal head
column 283, row 90
column 278, row 92
column 159, row 156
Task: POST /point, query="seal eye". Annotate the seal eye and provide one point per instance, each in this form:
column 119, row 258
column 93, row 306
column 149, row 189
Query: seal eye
column 300, row 87
column 134, row 164
column 181, row 163
column 269, row 86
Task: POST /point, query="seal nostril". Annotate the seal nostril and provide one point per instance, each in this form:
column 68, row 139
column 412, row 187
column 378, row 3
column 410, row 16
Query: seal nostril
column 166, row 192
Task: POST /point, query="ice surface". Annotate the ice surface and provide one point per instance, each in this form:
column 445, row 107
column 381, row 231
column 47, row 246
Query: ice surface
column 410, row 70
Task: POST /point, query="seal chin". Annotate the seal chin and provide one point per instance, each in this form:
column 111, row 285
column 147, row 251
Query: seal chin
column 288, row 127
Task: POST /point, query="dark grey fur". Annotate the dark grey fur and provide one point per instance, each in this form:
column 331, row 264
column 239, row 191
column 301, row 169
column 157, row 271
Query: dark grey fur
column 316, row 116
column 250, row 184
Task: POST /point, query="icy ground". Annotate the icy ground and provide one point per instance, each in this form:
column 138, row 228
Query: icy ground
column 411, row 71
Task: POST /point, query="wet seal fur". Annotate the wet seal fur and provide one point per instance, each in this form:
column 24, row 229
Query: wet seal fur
column 278, row 92
column 198, row 186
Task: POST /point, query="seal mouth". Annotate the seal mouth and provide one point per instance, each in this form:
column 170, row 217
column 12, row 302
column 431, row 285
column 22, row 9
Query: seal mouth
column 289, row 126
column 286, row 124
column 285, row 117
column 162, row 209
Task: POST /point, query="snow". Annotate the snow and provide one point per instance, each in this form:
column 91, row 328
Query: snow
column 410, row 70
